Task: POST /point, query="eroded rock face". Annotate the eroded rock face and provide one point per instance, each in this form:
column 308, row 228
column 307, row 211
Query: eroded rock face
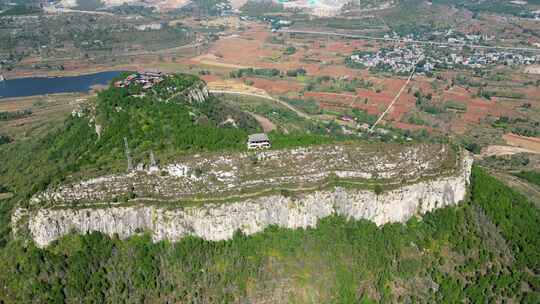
column 197, row 93
column 220, row 221
column 219, row 174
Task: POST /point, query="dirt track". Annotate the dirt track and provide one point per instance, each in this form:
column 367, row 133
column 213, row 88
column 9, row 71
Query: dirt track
column 496, row 150
column 265, row 123
column 298, row 112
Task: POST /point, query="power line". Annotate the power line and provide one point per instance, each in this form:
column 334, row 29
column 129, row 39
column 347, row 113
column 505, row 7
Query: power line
column 397, row 95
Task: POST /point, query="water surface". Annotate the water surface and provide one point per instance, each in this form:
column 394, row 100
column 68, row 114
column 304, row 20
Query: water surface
column 51, row 85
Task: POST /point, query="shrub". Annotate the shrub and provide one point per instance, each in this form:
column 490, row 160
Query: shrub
column 290, row 50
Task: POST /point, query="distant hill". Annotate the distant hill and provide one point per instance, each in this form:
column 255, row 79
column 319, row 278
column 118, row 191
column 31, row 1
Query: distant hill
column 161, row 5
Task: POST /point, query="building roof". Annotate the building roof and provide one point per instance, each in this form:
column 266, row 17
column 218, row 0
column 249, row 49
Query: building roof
column 258, row 137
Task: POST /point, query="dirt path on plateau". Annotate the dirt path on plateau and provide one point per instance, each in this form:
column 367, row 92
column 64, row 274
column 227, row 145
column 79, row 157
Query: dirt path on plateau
column 266, row 124
column 281, row 102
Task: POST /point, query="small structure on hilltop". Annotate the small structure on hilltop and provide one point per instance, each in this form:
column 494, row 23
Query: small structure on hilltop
column 258, row 141
column 146, row 79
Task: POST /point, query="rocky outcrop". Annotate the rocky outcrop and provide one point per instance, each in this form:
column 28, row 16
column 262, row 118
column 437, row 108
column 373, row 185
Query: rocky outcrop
column 221, row 221
column 197, row 93
column 220, row 174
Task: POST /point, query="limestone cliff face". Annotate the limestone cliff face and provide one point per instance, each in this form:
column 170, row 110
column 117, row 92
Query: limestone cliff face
column 220, row 221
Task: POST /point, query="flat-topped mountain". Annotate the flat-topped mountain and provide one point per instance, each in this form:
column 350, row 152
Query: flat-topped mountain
column 212, row 175
column 158, row 153
column 212, row 196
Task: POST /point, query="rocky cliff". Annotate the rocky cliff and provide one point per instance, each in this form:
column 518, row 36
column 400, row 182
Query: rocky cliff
column 223, row 174
column 197, row 93
column 219, row 221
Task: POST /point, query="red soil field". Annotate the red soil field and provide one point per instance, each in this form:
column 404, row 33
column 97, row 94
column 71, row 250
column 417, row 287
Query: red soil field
column 531, row 143
column 344, row 47
column 276, row 86
column 407, row 126
column 376, row 102
column 329, row 106
column 209, row 78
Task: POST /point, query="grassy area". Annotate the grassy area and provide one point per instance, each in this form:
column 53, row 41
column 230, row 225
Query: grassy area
column 34, row 116
column 532, row 177
column 285, row 119
column 20, row 10
column 456, row 106
column 309, row 106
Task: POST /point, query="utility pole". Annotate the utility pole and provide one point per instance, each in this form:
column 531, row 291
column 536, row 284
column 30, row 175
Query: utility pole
column 153, row 162
column 128, row 156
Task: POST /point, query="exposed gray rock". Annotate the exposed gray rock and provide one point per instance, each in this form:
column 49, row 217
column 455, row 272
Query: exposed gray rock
column 197, row 93
column 220, row 221
column 219, row 174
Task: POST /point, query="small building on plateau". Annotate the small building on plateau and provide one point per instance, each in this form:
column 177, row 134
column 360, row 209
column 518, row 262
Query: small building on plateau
column 258, row 141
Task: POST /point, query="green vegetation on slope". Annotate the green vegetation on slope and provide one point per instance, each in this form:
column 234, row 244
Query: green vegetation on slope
column 149, row 123
column 532, row 177
column 15, row 114
column 517, row 219
column 480, row 252
column 20, row 10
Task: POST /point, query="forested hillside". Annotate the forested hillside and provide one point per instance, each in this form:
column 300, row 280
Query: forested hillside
column 160, row 120
column 146, row 122
column 482, row 251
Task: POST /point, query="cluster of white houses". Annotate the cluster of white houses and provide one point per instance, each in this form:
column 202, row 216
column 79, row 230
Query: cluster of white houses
column 402, row 59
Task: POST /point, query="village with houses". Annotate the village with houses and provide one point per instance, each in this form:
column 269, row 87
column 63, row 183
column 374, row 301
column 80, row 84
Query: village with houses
column 402, row 59
column 439, row 49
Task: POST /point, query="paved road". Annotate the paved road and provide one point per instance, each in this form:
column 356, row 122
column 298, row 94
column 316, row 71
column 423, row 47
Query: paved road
column 425, row 42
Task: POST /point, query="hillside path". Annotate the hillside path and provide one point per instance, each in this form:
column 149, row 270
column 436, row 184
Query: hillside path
column 281, row 102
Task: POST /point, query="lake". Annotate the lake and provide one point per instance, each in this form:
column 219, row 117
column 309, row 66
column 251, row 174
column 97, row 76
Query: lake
column 51, row 85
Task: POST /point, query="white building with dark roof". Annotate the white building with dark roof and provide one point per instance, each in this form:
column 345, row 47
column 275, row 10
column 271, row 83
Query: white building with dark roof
column 258, row 141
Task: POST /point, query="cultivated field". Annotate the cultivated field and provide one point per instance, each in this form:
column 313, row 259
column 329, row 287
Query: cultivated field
column 47, row 111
